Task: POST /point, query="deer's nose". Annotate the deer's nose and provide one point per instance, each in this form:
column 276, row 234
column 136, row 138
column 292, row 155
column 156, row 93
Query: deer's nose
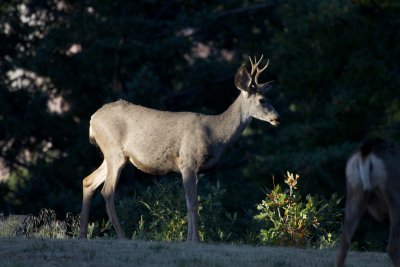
column 275, row 121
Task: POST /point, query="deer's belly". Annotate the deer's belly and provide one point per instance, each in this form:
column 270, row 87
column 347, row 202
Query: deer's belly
column 158, row 166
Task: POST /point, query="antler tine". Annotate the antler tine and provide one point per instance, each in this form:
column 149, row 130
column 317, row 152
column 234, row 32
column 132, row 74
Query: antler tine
column 258, row 71
column 255, row 64
column 251, row 61
column 258, row 62
column 266, row 65
column 253, row 67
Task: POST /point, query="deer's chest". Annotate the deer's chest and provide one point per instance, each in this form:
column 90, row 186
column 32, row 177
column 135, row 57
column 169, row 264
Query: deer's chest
column 208, row 158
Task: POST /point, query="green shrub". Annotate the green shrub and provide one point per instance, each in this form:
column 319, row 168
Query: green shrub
column 9, row 225
column 160, row 213
column 285, row 219
column 100, row 229
column 216, row 224
column 44, row 225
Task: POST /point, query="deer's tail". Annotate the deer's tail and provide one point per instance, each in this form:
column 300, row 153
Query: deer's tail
column 92, row 140
column 358, row 171
column 364, row 167
column 368, row 162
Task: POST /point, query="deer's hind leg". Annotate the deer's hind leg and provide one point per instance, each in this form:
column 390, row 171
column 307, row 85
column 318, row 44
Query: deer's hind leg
column 393, row 247
column 89, row 185
column 356, row 204
column 115, row 162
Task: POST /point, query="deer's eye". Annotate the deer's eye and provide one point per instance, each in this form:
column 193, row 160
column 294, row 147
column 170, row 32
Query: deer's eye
column 262, row 101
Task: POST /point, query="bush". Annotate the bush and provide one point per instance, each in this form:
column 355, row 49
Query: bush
column 288, row 221
column 9, row 225
column 160, row 213
column 44, row 225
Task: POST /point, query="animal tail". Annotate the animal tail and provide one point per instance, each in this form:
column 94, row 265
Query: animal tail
column 92, row 140
column 364, row 167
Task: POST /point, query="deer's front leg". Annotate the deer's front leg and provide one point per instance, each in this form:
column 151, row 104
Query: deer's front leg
column 190, row 185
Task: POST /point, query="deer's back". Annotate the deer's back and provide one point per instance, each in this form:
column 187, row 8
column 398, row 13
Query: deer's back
column 150, row 137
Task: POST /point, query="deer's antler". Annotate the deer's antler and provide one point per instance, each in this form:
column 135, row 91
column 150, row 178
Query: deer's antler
column 255, row 71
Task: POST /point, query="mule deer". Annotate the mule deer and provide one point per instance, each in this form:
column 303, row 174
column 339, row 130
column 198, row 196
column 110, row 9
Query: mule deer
column 158, row 142
column 373, row 183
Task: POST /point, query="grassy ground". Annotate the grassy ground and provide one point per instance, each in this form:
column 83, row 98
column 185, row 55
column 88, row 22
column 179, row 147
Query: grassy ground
column 111, row 252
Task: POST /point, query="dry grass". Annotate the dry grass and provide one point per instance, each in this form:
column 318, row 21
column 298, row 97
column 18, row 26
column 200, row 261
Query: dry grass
column 110, row 252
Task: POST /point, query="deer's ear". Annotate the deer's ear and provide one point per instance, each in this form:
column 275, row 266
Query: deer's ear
column 265, row 87
column 243, row 79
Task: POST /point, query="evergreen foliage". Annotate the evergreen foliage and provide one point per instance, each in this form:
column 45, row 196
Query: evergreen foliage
column 335, row 65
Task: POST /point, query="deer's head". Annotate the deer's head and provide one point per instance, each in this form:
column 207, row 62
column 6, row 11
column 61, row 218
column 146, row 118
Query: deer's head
column 254, row 93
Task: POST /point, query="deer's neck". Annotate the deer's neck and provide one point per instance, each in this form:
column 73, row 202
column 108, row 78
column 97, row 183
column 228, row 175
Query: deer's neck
column 230, row 124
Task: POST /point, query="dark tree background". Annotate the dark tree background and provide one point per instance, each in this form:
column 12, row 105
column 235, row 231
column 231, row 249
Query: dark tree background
column 335, row 65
